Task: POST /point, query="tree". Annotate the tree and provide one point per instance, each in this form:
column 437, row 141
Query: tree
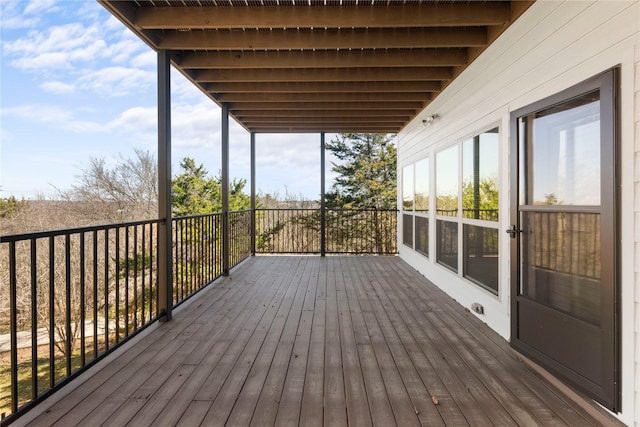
column 480, row 202
column 366, row 174
column 125, row 191
column 366, row 181
column 10, row 207
column 193, row 192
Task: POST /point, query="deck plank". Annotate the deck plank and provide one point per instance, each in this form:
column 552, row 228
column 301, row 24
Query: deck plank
column 288, row 410
column 316, row 341
column 283, row 329
column 232, row 373
column 335, row 405
column 266, row 398
column 425, row 408
column 545, row 403
column 311, row 410
column 358, row 413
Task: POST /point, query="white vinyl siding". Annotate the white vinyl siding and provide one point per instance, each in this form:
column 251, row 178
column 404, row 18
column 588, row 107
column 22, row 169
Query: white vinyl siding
column 554, row 45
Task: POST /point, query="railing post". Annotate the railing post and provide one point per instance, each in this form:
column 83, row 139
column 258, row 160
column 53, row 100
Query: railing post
column 323, row 230
column 165, row 262
column 225, row 189
column 253, row 194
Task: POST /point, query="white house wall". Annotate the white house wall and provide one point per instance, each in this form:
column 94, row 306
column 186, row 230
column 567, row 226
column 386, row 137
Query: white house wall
column 553, row 46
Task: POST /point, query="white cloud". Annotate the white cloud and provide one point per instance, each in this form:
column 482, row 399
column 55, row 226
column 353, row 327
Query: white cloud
column 112, row 23
column 195, row 125
column 39, row 7
column 124, row 46
column 148, row 59
column 138, row 119
column 83, row 50
column 58, row 87
column 60, row 117
column 117, row 81
column 14, row 16
column 288, row 150
column 41, row 113
column 183, row 89
column 58, row 48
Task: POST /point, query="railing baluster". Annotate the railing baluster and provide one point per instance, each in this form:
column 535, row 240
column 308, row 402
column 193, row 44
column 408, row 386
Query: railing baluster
column 95, row 294
column 135, row 278
column 34, row 317
column 106, row 289
column 117, row 289
column 126, row 281
column 13, row 324
column 52, row 344
column 82, row 300
column 144, row 272
column 67, row 266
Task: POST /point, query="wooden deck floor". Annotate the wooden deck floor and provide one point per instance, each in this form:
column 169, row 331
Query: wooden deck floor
column 316, row 341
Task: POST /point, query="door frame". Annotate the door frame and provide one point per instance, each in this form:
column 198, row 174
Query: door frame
column 607, row 82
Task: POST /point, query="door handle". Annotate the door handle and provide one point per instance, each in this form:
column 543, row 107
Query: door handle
column 512, row 231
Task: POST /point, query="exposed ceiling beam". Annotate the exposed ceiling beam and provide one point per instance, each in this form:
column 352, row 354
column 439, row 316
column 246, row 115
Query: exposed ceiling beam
column 322, row 87
column 267, row 114
column 317, row 65
column 323, row 74
column 325, row 128
column 323, row 59
column 323, row 97
column 330, row 16
column 322, row 119
column 409, row 38
column 332, row 105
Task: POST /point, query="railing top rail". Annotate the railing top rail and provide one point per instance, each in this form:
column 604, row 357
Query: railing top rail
column 328, row 209
column 208, row 214
column 62, row 232
column 204, row 215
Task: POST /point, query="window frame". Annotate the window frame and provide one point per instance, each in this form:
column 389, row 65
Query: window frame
column 460, row 219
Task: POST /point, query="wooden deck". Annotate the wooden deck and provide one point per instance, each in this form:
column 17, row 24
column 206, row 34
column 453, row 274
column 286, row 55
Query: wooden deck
column 316, row 341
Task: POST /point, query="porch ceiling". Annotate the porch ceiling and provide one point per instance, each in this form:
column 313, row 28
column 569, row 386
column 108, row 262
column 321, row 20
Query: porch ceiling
column 320, row 66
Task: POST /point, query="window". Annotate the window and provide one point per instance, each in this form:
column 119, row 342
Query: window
column 415, row 206
column 481, row 256
column 407, row 230
column 447, row 250
column 480, row 176
column 407, row 188
column 407, row 205
column 467, row 238
column 422, row 207
column 422, row 235
column 422, row 186
column 447, row 182
column 447, row 205
column 480, row 202
column 566, row 157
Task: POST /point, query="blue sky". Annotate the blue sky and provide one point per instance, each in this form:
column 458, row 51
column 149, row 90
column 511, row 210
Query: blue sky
column 75, row 84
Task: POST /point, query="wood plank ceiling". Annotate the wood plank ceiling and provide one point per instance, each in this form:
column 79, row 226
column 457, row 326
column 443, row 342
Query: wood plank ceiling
column 319, row 66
